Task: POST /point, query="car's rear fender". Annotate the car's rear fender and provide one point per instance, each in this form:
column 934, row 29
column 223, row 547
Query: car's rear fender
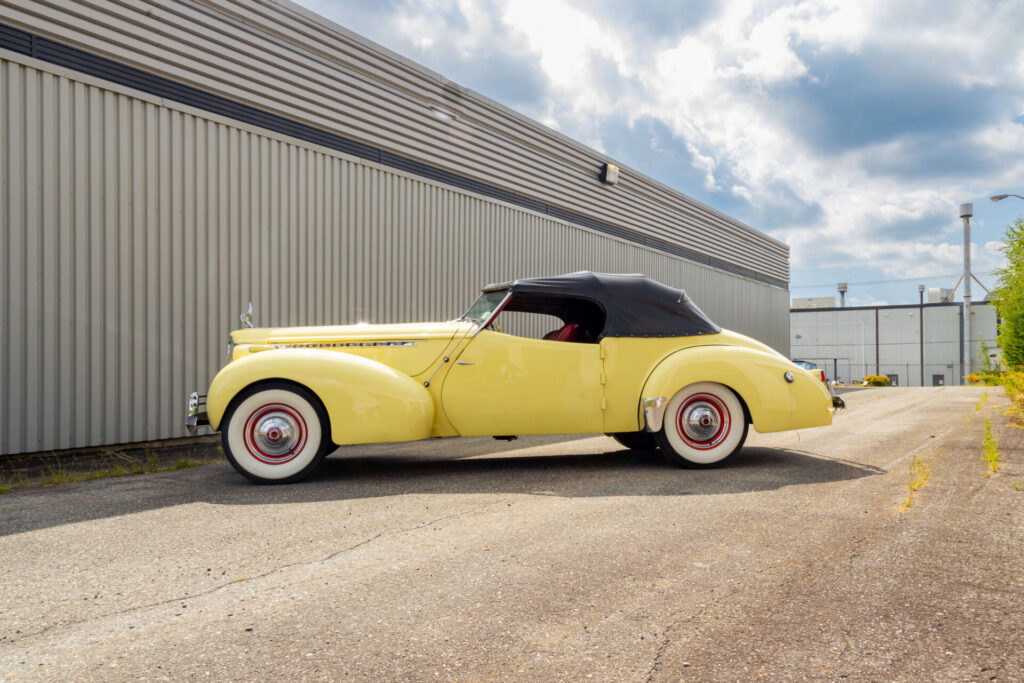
column 366, row 401
column 757, row 377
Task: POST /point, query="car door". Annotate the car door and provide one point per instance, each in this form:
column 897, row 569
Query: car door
column 506, row 385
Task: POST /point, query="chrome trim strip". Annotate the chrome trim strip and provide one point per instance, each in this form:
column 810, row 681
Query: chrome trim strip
column 343, row 345
column 654, row 413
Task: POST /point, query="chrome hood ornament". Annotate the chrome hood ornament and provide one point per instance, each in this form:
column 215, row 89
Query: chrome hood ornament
column 246, row 317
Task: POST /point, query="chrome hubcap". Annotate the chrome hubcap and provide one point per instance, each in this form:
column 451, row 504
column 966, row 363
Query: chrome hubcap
column 701, row 421
column 276, row 433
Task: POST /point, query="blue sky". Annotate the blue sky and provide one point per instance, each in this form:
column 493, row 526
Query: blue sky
column 850, row 130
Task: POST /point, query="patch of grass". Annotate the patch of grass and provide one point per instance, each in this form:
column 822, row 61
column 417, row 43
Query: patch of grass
column 992, row 456
column 59, row 470
column 981, row 402
column 919, row 471
column 1017, row 486
column 56, row 473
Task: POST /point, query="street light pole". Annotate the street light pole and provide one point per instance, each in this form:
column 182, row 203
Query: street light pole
column 920, row 324
column 966, row 211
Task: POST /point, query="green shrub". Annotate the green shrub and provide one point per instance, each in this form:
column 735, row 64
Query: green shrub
column 1013, row 382
column 878, row 381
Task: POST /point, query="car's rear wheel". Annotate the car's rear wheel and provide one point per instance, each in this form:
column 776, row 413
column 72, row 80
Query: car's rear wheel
column 704, row 424
column 275, row 433
column 637, row 441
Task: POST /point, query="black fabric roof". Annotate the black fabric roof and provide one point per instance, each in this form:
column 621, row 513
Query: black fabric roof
column 636, row 306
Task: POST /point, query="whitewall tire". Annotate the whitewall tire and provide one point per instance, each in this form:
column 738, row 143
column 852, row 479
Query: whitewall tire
column 275, row 433
column 704, row 424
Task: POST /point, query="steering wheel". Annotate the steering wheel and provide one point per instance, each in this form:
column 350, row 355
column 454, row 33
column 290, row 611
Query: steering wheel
column 496, row 326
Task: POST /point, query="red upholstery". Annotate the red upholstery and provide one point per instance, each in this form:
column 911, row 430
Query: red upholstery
column 566, row 333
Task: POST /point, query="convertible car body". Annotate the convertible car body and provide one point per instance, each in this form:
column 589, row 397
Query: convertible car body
column 628, row 356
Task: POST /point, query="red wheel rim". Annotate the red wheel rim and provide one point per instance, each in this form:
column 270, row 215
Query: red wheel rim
column 703, row 421
column 275, row 433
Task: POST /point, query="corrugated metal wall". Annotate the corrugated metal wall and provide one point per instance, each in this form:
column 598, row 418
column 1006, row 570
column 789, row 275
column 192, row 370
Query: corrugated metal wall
column 276, row 56
column 134, row 231
column 843, row 340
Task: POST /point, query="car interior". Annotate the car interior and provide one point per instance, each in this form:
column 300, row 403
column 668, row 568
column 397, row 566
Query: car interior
column 582, row 319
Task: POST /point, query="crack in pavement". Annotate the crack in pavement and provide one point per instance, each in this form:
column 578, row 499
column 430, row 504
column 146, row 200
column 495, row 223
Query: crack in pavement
column 667, row 639
column 275, row 570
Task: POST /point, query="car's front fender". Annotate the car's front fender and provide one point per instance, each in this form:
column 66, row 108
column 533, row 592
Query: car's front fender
column 366, row 401
column 758, row 377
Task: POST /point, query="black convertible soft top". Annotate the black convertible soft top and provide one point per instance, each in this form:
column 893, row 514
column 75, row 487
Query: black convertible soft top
column 634, row 305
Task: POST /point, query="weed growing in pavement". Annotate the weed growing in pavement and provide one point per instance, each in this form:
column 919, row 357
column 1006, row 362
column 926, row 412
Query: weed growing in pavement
column 1017, row 486
column 981, row 402
column 991, row 445
column 4, row 486
column 919, row 471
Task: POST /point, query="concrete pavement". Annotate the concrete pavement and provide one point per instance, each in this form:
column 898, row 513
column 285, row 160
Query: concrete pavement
column 547, row 558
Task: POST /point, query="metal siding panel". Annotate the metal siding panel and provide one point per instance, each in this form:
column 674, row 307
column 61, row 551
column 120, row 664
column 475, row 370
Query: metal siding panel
column 33, row 261
column 393, row 115
column 7, row 287
column 51, row 274
column 166, row 223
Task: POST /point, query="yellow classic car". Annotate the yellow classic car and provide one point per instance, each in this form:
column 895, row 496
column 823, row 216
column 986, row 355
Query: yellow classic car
column 628, row 356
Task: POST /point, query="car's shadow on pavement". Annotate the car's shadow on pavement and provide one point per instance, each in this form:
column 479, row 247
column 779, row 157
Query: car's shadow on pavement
column 591, row 467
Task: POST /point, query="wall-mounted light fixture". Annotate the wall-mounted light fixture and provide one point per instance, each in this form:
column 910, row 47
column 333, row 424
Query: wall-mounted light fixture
column 610, row 174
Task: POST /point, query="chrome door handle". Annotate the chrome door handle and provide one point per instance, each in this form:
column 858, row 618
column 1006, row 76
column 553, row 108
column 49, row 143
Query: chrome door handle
column 462, row 362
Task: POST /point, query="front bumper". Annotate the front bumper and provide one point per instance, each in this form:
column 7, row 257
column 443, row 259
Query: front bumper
column 195, row 413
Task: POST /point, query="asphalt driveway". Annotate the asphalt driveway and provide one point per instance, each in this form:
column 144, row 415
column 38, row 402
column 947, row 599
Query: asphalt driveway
column 543, row 558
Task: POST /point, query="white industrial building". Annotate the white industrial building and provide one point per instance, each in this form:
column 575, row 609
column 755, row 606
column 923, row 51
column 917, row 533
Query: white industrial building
column 914, row 345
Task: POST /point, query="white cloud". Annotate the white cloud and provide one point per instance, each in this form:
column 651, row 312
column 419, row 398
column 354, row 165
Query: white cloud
column 712, row 85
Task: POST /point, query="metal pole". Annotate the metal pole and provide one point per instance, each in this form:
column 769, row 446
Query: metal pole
column 966, row 211
column 920, row 323
column 877, row 371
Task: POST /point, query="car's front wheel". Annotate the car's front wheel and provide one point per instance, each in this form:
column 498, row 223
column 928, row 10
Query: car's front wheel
column 275, row 433
column 704, row 424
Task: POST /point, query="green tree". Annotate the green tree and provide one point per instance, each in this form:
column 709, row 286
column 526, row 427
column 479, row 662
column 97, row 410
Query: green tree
column 1009, row 296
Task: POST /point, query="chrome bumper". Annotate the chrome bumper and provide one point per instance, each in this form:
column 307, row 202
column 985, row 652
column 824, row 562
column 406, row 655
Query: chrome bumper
column 195, row 414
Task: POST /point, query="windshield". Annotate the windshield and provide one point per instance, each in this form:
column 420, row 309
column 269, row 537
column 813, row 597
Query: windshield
column 484, row 306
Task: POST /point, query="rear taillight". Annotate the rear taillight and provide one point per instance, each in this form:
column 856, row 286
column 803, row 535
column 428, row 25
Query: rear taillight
column 821, row 375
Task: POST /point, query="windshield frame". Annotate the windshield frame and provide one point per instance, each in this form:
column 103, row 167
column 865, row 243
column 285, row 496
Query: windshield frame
column 496, row 304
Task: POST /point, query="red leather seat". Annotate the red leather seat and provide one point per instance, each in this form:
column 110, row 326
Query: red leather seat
column 566, row 333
